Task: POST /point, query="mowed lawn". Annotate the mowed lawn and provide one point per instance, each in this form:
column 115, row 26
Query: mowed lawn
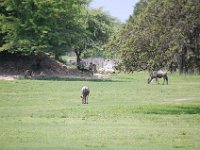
column 123, row 113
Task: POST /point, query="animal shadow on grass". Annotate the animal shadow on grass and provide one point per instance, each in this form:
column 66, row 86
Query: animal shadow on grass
column 75, row 79
column 92, row 79
column 173, row 109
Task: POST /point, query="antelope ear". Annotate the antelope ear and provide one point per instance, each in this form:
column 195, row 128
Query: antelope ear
column 81, row 96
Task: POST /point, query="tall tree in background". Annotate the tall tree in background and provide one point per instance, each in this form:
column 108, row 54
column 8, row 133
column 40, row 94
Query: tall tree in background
column 31, row 26
column 98, row 28
column 160, row 31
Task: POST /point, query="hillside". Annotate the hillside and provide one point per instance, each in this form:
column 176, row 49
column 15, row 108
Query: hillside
column 15, row 65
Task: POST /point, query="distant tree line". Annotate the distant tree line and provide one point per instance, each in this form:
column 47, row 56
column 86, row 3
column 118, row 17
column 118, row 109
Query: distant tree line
column 160, row 33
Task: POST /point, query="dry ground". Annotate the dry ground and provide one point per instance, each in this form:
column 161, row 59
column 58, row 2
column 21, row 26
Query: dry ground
column 14, row 66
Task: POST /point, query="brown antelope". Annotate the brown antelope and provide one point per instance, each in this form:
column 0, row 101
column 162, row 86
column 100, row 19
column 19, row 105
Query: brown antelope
column 85, row 94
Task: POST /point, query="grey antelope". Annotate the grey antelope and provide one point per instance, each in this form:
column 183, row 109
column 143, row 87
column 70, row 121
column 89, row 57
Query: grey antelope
column 156, row 75
column 85, row 94
column 28, row 74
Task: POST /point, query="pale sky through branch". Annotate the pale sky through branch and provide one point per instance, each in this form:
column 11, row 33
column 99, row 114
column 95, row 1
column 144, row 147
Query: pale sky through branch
column 121, row 9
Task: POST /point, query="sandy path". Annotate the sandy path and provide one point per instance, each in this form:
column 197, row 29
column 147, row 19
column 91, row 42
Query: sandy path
column 7, row 77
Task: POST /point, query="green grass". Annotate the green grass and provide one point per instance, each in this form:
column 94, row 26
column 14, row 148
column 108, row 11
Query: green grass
column 123, row 113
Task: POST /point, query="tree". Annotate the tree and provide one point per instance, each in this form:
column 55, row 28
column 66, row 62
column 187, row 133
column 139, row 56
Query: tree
column 159, row 30
column 33, row 26
column 95, row 32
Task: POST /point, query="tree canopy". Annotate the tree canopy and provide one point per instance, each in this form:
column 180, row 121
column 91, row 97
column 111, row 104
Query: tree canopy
column 35, row 25
column 160, row 34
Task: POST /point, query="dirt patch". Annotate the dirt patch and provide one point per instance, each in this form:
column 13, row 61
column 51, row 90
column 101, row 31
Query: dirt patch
column 177, row 101
column 15, row 65
column 7, row 78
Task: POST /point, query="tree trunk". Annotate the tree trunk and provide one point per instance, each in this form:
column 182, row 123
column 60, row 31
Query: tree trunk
column 78, row 58
column 183, row 63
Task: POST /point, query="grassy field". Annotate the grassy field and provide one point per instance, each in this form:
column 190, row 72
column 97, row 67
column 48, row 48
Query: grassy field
column 123, row 113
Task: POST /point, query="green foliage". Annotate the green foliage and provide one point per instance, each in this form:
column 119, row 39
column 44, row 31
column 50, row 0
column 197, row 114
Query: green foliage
column 29, row 26
column 160, row 30
column 99, row 27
